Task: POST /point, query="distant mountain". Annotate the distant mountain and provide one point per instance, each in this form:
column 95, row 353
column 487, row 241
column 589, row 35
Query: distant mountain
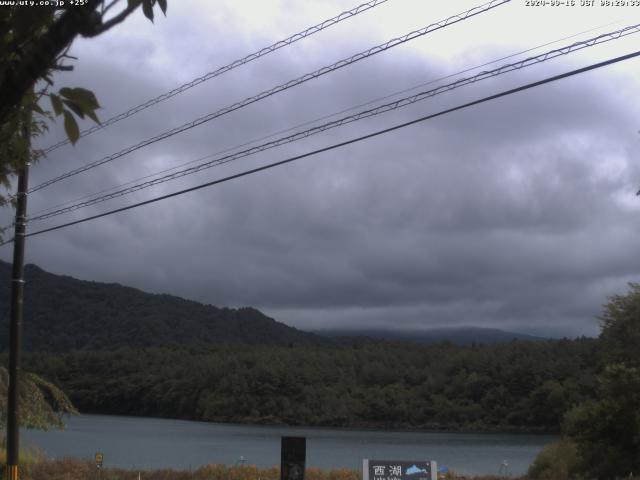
column 458, row 335
column 63, row 313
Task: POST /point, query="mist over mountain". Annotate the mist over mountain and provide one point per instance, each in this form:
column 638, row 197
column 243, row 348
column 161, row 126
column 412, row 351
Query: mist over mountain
column 458, row 335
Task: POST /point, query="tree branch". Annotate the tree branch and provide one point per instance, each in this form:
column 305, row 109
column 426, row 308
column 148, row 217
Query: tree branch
column 106, row 8
column 41, row 56
column 103, row 27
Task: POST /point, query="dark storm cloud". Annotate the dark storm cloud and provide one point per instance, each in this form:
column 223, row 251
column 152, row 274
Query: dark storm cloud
column 515, row 214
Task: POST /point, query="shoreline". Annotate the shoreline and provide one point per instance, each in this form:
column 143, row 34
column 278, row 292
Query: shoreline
column 368, row 427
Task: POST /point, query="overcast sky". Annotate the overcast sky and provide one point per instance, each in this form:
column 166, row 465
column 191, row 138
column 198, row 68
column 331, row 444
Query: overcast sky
column 518, row 214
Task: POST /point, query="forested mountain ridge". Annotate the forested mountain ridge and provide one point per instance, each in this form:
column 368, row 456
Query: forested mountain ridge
column 62, row 313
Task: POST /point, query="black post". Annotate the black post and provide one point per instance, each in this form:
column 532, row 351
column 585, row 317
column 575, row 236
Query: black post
column 17, row 291
column 293, row 453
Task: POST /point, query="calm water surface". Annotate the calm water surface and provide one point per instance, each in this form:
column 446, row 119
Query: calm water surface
column 133, row 442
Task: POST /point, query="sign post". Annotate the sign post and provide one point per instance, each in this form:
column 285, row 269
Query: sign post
column 99, row 459
column 399, row 470
column 293, row 455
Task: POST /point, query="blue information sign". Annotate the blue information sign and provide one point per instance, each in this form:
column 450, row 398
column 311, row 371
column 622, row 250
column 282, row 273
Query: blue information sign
column 399, row 470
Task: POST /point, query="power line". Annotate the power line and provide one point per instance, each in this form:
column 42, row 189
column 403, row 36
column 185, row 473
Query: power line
column 342, row 144
column 403, row 102
column 292, row 83
column 311, row 122
column 236, row 63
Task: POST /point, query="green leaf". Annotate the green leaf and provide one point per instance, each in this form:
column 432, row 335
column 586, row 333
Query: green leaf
column 163, row 6
column 86, row 98
column 81, row 101
column 147, row 9
column 71, row 127
column 66, row 92
column 92, row 115
column 56, row 103
column 77, row 109
column 81, row 96
column 38, row 109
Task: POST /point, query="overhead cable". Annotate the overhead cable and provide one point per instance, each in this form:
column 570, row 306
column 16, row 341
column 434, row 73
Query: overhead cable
column 267, row 93
column 236, row 63
column 403, row 102
column 309, row 122
column 342, row 144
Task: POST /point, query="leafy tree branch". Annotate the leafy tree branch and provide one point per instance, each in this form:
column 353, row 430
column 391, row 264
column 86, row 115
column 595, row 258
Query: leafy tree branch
column 34, row 43
column 42, row 404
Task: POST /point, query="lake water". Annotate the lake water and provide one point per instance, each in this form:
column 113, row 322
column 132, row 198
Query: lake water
column 133, row 442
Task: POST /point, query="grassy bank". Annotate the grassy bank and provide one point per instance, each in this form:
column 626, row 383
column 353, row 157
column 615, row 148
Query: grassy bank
column 73, row 469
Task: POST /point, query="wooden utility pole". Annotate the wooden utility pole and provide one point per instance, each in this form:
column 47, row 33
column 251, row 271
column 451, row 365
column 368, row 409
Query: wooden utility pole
column 17, row 292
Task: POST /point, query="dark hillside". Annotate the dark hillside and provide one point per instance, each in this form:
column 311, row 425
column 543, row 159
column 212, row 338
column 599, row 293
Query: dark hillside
column 63, row 313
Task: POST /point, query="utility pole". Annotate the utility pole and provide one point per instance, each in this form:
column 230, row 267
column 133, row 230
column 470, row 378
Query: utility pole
column 17, row 292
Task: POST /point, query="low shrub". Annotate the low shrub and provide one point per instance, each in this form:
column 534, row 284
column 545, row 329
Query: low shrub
column 556, row 461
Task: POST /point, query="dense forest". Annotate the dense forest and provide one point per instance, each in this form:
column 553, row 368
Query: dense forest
column 512, row 386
